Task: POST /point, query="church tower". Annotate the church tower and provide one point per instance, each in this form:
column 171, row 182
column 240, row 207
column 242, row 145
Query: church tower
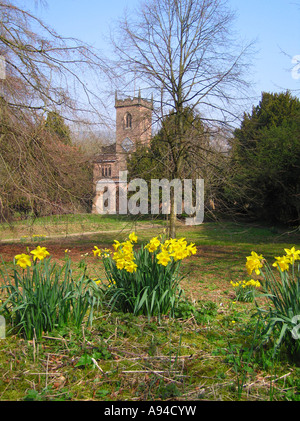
column 133, row 126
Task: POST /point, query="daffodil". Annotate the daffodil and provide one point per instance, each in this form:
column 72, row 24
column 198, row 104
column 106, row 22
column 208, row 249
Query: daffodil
column 133, row 237
column 120, row 263
column 163, row 258
column 191, row 249
column 127, row 247
column 254, row 263
column 111, row 283
column 292, row 254
column 131, row 266
column 40, row 253
column 97, row 281
column 23, row 260
column 179, row 254
column 116, row 245
column 153, row 244
column 182, row 242
column 117, row 255
column 282, row 263
column 97, row 251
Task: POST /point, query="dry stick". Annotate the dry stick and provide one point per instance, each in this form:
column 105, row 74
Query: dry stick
column 33, row 343
column 46, row 382
column 157, row 373
column 99, row 368
column 42, row 374
column 267, row 382
column 157, row 357
column 57, row 339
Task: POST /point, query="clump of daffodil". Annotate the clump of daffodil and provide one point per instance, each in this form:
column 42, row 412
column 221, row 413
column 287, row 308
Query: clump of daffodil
column 244, row 290
column 281, row 291
column 47, row 295
column 145, row 280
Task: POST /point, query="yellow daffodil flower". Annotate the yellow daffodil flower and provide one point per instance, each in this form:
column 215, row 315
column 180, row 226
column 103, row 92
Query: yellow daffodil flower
column 97, row 281
column 130, row 266
column 179, row 254
column 163, row 258
column 133, row 237
column 153, row 244
column 191, row 249
column 40, row 253
column 116, row 245
column 127, row 247
column 282, row 263
column 292, row 254
column 23, row 260
column 97, row 251
column 254, row 263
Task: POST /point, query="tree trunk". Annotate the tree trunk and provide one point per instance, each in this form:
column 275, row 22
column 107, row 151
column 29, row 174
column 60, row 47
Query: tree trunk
column 172, row 223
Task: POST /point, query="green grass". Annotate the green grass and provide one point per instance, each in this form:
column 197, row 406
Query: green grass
column 209, row 352
column 68, row 225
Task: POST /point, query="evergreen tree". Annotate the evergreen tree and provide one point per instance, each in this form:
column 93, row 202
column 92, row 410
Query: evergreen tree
column 267, row 150
column 57, row 127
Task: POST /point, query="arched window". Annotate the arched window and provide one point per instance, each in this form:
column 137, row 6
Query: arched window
column 128, row 121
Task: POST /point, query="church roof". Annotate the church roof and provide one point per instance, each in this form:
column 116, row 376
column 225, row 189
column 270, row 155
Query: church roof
column 107, row 154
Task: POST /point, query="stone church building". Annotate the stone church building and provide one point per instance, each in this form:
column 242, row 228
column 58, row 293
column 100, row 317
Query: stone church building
column 133, row 127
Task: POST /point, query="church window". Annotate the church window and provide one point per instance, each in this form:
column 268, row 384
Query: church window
column 106, row 171
column 128, row 121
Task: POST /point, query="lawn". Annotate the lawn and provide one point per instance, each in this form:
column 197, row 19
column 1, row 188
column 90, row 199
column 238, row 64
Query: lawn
column 209, row 351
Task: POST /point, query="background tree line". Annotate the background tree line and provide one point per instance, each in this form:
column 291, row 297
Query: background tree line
column 186, row 54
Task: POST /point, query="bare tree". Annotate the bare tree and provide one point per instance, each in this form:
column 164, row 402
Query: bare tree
column 185, row 53
column 43, row 72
